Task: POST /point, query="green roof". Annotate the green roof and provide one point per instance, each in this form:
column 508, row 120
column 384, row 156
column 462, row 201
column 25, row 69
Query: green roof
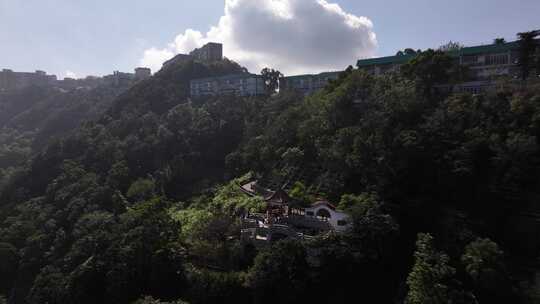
column 473, row 50
column 385, row 60
column 486, row 49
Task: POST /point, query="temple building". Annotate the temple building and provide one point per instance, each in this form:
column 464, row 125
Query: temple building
column 286, row 217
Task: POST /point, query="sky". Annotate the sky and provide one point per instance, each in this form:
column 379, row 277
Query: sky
column 77, row 38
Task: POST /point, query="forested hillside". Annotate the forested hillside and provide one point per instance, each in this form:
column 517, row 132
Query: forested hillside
column 32, row 116
column 141, row 205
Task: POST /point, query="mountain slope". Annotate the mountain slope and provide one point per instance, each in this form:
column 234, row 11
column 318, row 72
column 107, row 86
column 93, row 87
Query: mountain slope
column 140, row 203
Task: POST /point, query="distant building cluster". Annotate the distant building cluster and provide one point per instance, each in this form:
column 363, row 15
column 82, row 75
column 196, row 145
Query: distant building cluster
column 485, row 62
column 10, row 80
column 245, row 84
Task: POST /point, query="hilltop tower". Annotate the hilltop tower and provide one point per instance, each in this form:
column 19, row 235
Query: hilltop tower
column 209, row 52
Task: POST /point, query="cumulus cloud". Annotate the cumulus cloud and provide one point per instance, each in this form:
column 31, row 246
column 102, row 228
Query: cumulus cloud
column 294, row 36
column 154, row 58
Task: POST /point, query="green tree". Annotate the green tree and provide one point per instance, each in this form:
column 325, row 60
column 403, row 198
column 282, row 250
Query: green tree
column 360, row 203
column 9, row 260
column 451, row 46
column 208, row 286
column 118, row 175
column 299, row 192
column 375, row 230
column 141, row 189
column 428, row 69
column 431, row 280
column 279, row 274
column 408, row 51
column 483, row 262
column 499, row 41
column 151, row 300
column 271, row 79
column 528, row 45
column 431, row 68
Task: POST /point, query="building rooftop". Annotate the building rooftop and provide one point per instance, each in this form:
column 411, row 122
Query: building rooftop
column 225, row 77
column 385, row 60
column 486, row 49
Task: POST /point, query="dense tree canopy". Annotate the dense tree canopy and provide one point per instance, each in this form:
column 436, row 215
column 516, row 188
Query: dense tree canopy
column 142, row 203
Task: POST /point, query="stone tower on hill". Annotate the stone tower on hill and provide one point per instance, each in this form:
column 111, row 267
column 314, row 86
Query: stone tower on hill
column 209, row 52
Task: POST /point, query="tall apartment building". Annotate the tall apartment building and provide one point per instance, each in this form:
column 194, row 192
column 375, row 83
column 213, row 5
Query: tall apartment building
column 209, row 52
column 242, row 84
column 485, row 62
column 308, row 83
column 10, row 80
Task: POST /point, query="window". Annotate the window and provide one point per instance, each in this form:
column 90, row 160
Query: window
column 323, row 213
column 496, row 59
column 469, row 59
column 342, row 223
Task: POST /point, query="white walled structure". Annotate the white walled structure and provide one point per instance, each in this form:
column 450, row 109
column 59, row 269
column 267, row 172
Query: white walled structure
column 340, row 221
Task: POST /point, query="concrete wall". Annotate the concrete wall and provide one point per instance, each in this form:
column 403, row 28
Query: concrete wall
column 335, row 219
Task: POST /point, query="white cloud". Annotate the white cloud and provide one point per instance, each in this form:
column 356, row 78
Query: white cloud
column 154, row 58
column 70, row 74
column 294, row 36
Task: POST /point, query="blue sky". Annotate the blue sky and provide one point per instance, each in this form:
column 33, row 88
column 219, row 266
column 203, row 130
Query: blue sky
column 96, row 37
